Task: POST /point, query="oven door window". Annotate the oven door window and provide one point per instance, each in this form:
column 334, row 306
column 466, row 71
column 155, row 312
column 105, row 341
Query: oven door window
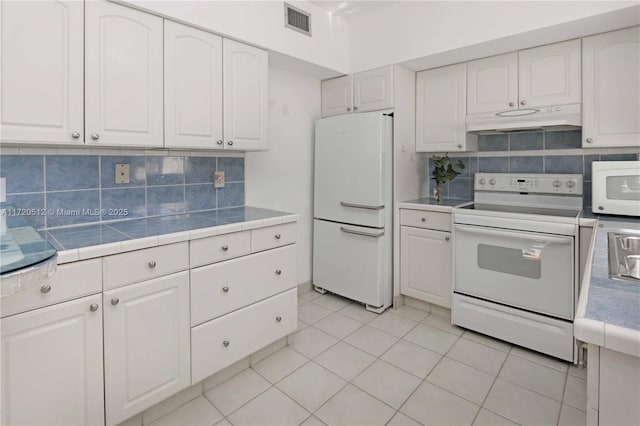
column 520, row 262
column 623, row 187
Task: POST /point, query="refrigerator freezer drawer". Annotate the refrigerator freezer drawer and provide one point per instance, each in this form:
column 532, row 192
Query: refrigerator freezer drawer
column 352, row 261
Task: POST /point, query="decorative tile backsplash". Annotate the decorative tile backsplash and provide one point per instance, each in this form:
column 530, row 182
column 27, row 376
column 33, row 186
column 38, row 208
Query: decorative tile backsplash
column 541, row 157
column 59, row 190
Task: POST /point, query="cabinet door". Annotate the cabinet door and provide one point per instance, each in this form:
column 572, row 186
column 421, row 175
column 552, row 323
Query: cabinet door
column 611, row 89
column 192, row 87
column 425, row 265
column 123, row 73
column 492, row 84
column 550, row 75
column 373, row 90
column 146, row 339
column 440, row 109
column 41, row 68
column 337, row 96
column 245, row 94
column 52, row 365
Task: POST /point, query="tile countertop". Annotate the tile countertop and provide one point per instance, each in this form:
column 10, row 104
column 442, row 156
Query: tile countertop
column 96, row 240
column 608, row 311
column 430, row 204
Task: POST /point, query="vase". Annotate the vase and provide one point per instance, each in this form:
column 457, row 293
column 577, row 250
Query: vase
column 437, row 192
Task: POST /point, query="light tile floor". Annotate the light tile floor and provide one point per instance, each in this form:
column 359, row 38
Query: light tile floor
column 348, row 366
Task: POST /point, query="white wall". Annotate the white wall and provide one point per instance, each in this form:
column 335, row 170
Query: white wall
column 410, row 30
column 282, row 177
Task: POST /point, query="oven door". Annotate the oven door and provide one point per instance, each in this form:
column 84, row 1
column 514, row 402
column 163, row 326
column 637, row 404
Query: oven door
column 527, row 270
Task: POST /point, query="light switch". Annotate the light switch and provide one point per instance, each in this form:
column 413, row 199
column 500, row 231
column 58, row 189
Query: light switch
column 218, row 179
column 122, row 173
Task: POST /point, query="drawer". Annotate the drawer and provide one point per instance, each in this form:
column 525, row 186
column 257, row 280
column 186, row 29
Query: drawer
column 71, row 280
column 425, row 219
column 140, row 265
column 273, row 236
column 220, row 247
column 224, row 287
column 223, row 341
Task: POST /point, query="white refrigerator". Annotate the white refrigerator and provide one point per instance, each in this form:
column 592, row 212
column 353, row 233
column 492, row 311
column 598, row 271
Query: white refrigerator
column 352, row 231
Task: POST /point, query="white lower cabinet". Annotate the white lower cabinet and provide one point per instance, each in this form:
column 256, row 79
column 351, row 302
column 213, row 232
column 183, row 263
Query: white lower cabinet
column 52, row 365
column 146, row 343
column 425, row 257
column 223, row 341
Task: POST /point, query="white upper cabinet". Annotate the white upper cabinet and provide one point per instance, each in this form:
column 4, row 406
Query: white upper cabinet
column 542, row 76
column 373, row 90
column 611, row 89
column 192, row 87
column 41, row 68
column 245, row 96
column 361, row 92
column 440, row 110
column 123, row 74
column 492, row 84
column 550, row 75
column 337, row 96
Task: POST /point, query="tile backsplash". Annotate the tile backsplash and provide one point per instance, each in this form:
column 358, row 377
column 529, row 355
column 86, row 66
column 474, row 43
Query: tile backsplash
column 59, row 190
column 528, row 152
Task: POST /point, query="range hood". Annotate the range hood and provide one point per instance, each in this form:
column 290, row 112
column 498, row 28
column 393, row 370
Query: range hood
column 563, row 117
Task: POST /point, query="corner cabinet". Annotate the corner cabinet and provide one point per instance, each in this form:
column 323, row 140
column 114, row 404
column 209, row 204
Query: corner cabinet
column 42, row 72
column 611, row 89
column 425, row 256
column 365, row 91
column 441, row 110
column 245, row 91
column 123, row 76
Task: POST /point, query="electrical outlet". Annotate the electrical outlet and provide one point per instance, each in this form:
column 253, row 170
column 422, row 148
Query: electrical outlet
column 122, row 173
column 218, row 179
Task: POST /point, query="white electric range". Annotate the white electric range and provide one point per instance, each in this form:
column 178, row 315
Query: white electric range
column 515, row 268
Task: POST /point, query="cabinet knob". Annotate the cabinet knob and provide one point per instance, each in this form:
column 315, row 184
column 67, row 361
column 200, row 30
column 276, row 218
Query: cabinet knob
column 225, row 289
column 278, row 271
column 75, row 135
column 151, row 264
column 348, row 109
column 45, row 288
column 511, row 104
column 230, row 143
column 225, row 247
column 115, row 301
column 523, row 102
column 95, row 136
column 225, row 343
column 355, row 108
column 278, row 319
column 93, row 307
column 447, row 238
column 589, row 140
column 423, row 219
column 278, row 236
column 459, row 146
column 219, row 141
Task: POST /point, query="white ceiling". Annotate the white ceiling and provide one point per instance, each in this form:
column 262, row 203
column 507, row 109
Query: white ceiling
column 352, row 8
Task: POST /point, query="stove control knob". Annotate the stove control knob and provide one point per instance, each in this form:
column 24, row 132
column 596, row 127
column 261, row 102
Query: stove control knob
column 482, row 181
column 557, row 184
column 571, row 183
column 492, row 181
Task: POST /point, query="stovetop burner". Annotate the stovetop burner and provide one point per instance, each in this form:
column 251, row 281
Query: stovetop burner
column 542, row 211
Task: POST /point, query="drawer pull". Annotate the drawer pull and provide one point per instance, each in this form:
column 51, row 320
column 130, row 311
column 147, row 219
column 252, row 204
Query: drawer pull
column 225, row 289
column 447, row 238
column 278, row 319
column 225, row 247
column 424, row 219
column 225, row 343
column 93, row 307
column 115, row 301
column 151, row 264
column 45, row 288
column 278, row 236
column 278, row 271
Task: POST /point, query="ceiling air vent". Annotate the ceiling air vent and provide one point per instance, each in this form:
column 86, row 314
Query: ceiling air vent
column 297, row 19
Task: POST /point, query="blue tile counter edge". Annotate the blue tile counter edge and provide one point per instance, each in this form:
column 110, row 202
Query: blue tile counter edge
column 430, row 204
column 82, row 242
column 608, row 312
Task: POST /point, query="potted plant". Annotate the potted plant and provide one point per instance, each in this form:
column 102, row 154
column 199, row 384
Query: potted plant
column 443, row 172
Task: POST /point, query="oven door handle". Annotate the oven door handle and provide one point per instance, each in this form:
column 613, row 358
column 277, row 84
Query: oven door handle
column 534, row 237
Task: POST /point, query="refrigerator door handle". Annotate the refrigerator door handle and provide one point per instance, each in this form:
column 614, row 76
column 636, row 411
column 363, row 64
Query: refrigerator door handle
column 364, row 234
column 361, row 206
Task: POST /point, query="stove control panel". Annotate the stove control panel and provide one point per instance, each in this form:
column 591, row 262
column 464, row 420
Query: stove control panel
column 529, row 183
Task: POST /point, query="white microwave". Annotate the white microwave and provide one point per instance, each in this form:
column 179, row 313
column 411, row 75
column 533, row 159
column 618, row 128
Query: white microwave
column 616, row 187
